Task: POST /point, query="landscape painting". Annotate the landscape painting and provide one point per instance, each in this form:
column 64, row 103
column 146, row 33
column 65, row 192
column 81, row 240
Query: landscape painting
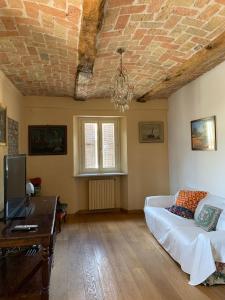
column 203, row 134
column 151, row 132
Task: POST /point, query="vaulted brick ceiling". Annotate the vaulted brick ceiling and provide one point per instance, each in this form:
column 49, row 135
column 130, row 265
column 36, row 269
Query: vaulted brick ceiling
column 166, row 42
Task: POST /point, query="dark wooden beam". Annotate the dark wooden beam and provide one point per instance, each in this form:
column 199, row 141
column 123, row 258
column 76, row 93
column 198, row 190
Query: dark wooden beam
column 92, row 19
column 204, row 60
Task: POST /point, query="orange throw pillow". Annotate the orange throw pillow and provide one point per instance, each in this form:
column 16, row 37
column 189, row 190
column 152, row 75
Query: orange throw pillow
column 190, row 199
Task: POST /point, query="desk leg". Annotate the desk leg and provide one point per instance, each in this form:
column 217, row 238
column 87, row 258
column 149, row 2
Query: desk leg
column 45, row 273
column 4, row 283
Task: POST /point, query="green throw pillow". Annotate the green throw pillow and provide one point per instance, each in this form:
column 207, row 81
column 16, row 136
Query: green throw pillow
column 208, row 217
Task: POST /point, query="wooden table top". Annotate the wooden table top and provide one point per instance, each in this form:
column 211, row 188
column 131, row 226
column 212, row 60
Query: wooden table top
column 43, row 214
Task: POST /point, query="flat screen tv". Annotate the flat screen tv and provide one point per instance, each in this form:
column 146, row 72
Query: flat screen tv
column 14, row 186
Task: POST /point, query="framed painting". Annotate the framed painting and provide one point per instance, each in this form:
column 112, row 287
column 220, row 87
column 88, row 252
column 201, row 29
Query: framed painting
column 13, row 136
column 203, row 134
column 47, row 140
column 151, row 132
column 3, row 116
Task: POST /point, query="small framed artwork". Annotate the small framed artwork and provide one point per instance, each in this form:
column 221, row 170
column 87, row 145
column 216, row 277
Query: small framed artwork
column 203, row 134
column 3, row 116
column 151, row 132
column 47, row 140
column 13, row 136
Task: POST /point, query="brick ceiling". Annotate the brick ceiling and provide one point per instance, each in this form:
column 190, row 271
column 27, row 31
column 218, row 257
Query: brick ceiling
column 40, row 43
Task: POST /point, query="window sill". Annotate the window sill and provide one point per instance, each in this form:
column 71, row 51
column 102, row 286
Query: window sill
column 101, row 174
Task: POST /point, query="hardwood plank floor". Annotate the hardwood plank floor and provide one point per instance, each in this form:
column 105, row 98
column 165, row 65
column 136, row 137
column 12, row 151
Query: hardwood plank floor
column 113, row 256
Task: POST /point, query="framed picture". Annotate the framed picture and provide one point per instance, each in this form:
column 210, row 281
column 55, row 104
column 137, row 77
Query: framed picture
column 3, row 115
column 151, row 132
column 47, row 140
column 203, row 134
column 13, row 136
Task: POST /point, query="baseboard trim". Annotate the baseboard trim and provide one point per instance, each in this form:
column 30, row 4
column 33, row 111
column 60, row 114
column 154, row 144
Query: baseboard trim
column 97, row 211
column 110, row 210
column 132, row 211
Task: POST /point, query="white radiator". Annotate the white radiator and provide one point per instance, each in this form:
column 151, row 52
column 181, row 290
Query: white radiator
column 101, row 194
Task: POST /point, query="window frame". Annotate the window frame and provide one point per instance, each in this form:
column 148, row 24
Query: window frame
column 81, row 141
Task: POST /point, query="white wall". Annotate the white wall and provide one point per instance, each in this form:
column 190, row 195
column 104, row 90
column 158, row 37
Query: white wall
column 201, row 169
column 10, row 98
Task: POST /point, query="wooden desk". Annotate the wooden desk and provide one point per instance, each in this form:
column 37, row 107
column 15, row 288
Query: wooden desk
column 43, row 214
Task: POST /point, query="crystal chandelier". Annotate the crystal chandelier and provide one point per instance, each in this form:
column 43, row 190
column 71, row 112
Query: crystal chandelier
column 122, row 91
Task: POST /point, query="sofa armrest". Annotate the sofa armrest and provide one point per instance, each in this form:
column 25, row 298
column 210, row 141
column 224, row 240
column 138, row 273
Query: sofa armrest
column 159, row 201
column 217, row 241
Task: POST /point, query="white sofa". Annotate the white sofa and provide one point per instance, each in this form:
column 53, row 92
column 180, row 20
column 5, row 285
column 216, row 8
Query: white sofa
column 192, row 247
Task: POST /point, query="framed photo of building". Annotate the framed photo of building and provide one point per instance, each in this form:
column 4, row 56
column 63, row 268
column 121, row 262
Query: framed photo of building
column 203, row 134
column 47, row 140
column 151, row 132
column 3, row 117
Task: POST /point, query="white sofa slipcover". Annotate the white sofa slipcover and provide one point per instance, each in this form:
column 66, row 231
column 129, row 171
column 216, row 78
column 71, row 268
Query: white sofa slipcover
column 193, row 248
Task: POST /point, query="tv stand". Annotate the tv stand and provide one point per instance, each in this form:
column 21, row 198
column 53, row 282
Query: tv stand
column 2, row 216
column 18, row 270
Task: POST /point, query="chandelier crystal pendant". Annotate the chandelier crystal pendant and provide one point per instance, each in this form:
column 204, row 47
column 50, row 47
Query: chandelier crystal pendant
column 122, row 90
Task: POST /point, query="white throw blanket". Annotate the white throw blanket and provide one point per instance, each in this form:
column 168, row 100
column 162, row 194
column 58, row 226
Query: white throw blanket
column 193, row 248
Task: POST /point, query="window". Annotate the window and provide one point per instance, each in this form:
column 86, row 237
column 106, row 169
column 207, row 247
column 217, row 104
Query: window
column 99, row 145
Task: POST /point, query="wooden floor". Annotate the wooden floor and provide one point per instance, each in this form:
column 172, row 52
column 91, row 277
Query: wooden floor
column 114, row 256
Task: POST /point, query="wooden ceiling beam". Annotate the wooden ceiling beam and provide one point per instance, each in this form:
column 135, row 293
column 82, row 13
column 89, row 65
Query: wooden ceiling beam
column 92, row 19
column 204, row 60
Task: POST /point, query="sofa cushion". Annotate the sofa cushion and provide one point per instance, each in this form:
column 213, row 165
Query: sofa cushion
column 181, row 211
column 208, row 217
column 190, row 199
column 160, row 221
column 217, row 202
column 211, row 200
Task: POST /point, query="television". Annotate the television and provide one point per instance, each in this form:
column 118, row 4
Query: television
column 14, row 186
